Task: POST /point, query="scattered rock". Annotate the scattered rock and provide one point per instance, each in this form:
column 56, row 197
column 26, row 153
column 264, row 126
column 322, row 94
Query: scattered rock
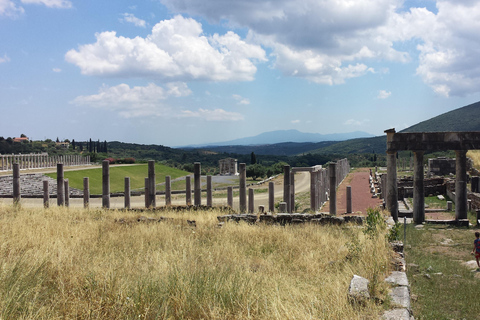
column 472, row 264
column 447, row 242
column 426, row 275
column 413, row 267
column 358, row 290
column 396, row 314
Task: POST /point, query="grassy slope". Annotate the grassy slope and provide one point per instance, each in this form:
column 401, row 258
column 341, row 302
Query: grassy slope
column 442, row 288
column 137, row 174
column 462, row 119
column 85, row 265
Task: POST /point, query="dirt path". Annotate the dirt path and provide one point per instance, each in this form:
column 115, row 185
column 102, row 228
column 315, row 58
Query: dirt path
column 361, row 196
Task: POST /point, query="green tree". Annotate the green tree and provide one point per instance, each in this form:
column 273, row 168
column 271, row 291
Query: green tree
column 253, row 158
column 256, row 171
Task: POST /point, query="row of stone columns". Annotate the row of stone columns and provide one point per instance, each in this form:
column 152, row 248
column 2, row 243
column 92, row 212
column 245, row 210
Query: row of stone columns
column 40, row 160
column 461, row 203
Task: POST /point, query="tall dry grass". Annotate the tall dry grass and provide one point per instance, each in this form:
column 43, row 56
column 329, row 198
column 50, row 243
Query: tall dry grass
column 67, row 263
column 475, row 156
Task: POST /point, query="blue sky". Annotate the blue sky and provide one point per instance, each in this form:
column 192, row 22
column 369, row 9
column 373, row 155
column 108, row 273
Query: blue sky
column 179, row 72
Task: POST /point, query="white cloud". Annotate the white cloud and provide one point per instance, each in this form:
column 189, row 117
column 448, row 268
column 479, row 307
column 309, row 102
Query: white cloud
column 130, row 17
column 175, row 50
column 353, row 122
column 149, row 101
column 321, row 40
column 51, row 3
column 4, row 59
column 212, row 115
column 450, row 54
column 240, row 99
column 57, row 70
column 383, row 94
column 329, row 41
column 9, row 9
column 134, row 102
column 295, row 121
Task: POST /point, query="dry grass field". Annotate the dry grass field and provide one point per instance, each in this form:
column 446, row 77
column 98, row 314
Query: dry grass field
column 64, row 263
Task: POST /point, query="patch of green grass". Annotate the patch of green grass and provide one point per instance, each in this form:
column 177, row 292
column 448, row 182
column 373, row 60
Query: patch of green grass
column 137, row 174
column 441, row 286
column 435, row 203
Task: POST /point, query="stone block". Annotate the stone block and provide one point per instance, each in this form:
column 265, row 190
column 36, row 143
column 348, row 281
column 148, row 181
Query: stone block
column 401, row 297
column 396, row 314
column 397, row 278
column 358, row 289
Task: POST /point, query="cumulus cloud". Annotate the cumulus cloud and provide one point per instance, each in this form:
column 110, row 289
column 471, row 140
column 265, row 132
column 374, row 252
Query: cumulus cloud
column 295, row 121
column 136, row 101
column 51, row 3
column 175, row 50
column 130, row 18
column 240, row 99
column 329, row 41
column 9, row 9
column 149, row 101
column 450, row 54
column 383, row 94
column 320, row 40
column 57, row 70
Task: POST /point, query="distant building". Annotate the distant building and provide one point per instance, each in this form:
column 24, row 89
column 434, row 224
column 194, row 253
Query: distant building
column 22, row 139
column 441, row 166
column 63, row 145
column 228, row 166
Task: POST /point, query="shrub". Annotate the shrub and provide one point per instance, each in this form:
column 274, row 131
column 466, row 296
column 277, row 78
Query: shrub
column 111, row 160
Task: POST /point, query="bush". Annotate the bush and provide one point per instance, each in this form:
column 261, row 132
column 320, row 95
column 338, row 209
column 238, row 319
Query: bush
column 111, row 160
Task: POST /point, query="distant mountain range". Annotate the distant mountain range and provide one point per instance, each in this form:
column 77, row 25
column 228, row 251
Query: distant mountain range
column 282, row 136
column 293, row 142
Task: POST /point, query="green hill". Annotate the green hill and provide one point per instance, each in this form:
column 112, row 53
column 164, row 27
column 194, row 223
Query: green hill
column 462, row 119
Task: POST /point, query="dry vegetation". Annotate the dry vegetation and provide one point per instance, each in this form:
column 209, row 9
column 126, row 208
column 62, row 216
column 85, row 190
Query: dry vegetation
column 68, row 263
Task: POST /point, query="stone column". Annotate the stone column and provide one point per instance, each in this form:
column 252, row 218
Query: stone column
column 251, row 204
column 209, row 191
column 320, row 188
column 147, row 193
column 418, row 188
column 332, row 172
column 292, row 191
column 188, row 187
column 106, row 184
column 60, row 185
column 230, row 197
column 392, row 189
column 286, row 187
column 46, row 194
column 475, row 181
column 197, row 184
column 461, row 184
column 16, row 184
column 243, row 187
column 152, row 190
column 313, row 190
column 271, row 197
column 86, row 192
column 349, row 199
column 168, row 190
column 127, row 194
column 67, row 193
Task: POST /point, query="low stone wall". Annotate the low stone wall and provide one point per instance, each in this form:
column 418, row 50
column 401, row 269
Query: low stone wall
column 291, row 218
